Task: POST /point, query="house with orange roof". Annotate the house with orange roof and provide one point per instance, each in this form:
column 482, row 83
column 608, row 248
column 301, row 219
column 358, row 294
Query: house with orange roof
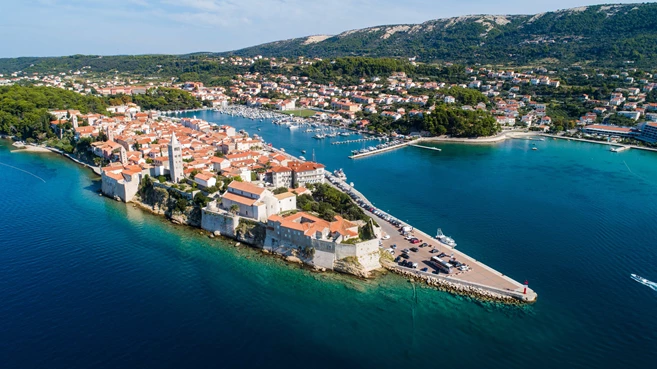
column 205, row 179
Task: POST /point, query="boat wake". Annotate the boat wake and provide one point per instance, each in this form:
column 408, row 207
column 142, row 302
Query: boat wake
column 644, row 281
column 24, row 171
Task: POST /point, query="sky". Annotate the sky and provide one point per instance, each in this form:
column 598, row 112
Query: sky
column 118, row 27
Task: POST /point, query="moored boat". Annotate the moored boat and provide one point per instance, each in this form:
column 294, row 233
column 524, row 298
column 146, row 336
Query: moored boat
column 440, row 236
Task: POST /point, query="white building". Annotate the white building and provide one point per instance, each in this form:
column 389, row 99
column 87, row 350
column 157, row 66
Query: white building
column 175, row 160
column 205, row 180
column 256, row 202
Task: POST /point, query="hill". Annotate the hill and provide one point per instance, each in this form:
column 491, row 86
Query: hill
column 601, row 34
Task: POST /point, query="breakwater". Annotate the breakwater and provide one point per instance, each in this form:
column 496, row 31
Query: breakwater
column 458, row 287
column 378, row 151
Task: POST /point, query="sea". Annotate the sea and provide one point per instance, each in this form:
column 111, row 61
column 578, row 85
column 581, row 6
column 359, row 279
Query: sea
column 88, row 282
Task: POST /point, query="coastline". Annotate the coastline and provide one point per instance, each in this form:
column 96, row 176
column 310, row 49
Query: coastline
column 599, row 142
column 450, row 284
column 481, row 140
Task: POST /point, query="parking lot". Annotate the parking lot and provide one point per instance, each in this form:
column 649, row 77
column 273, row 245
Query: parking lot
column 477, row 272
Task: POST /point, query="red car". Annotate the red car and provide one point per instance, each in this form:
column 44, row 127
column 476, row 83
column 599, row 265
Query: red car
column 415, row 240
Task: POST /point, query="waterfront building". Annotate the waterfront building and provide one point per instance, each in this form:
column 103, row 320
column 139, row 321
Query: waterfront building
column 304, row 231
column 649, row 133
column 280, row 176
column 120, row 181
column 175, row 160
column 604, row 130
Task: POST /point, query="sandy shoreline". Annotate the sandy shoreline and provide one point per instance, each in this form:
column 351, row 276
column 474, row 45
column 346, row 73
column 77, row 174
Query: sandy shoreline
column 29, row 148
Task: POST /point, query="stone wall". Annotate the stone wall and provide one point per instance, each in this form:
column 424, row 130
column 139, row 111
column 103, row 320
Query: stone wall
column 215, row 220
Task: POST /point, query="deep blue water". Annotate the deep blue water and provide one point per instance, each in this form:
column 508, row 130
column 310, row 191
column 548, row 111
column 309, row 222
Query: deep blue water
column 89, row 282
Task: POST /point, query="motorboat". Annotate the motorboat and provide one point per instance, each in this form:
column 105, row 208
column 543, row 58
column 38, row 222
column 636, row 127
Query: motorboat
column 339, row 173
column 644, row 281
column 440, row 236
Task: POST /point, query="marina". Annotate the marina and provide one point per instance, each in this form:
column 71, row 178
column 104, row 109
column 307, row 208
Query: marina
column 356, row 154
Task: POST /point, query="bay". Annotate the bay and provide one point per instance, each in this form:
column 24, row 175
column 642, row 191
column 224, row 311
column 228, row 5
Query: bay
column 86, row 281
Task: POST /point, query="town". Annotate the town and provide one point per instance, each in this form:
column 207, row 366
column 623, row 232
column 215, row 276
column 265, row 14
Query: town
column 598, row 104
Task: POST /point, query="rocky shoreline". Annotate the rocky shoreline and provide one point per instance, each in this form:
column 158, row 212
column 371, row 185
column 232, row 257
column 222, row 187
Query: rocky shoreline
column 456, row 288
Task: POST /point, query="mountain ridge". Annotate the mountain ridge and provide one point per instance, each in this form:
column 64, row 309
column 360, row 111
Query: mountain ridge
column 486, row 37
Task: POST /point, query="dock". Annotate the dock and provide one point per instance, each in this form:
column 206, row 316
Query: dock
column 426, row 147
column 365, row 139
column 480, row 280
column 378, row 151
column 619, row 148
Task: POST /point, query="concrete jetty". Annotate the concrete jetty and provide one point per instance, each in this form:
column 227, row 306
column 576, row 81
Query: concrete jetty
column 378, row 151
column 426, row 147
column 479, row 280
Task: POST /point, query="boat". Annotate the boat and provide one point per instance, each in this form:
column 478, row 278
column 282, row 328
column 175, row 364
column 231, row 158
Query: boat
column 339, row 173
column 534, row 148
column 644, row 281
column 440, row 236
column 346, row 134
column 303, row 151
column 302, row 158
column 319, row 136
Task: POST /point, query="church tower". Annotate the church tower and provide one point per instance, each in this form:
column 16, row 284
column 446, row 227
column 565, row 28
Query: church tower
column 175, row 160
column 123, row 156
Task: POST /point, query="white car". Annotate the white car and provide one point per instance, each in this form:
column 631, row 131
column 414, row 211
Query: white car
column 386, row 237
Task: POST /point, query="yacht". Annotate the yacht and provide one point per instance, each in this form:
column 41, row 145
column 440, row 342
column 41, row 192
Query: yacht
column 440, row 236
column 340, row 174
column 534, row 148
column 303, row 151
column 319, row 136
column 302, row 158
column 644, row 281
column 346, row 134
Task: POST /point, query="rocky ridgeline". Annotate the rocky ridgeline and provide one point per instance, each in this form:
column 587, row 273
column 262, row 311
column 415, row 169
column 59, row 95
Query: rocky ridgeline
column 456, row 288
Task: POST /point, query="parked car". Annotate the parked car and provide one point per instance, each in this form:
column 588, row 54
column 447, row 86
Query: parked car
column 414, row 265
column 406, row 251
column 425, row 269
column 405, row 256
column 386, row 237
column 433, row 251
column 415, row 249
column 394, row 246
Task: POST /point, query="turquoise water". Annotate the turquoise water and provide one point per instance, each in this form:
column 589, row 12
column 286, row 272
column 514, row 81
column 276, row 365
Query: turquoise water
column 89, row 282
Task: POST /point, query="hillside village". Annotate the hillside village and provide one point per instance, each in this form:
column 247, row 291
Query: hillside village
column 397, row 103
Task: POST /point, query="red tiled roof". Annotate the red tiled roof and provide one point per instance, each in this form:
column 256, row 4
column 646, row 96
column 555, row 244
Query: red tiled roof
column 246, row 187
